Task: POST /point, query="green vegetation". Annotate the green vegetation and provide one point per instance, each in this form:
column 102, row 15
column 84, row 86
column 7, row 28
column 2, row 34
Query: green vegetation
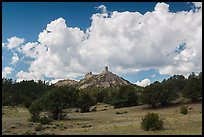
column 107, row 122
column 151, row 94
column 54, row 102
column 22, row 93
column 126, row 96
column 57, row 99
column 193, row 88
column 45, row 120
column 35, row 109
column 156, row 94
column 39, row 127
column 85, row 101
column 184, row 110
column 164, row 93
column 151, row 121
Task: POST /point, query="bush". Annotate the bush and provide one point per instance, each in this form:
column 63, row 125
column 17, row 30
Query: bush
column 85, row 100
column 77, row 110
column 45, row 120
column 38, row 127
column 184, row 110
column 121, row 112
column 35, row 109
column 63, row 116
column 151, row 121
column 57, row 99
column 126, row 96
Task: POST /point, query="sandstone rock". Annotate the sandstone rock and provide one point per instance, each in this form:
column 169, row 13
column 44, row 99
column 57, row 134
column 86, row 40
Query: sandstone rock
column 104, row 79
column 66, row 82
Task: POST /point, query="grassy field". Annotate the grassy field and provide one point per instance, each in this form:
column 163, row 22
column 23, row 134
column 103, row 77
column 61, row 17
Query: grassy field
column 106, row 121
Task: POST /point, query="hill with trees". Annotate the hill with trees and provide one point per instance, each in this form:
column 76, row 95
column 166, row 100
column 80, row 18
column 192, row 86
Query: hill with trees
column 39, row 96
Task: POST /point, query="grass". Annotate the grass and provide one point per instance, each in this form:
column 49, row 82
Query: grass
column 107, row 122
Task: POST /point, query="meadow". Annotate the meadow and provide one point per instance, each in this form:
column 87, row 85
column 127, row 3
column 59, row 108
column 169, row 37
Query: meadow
column 106, row 121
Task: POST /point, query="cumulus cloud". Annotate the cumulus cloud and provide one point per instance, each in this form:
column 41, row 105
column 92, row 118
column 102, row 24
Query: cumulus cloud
column 161, row 7
column 6, row 71
column 28, row 76
column 143, row 83
column 32, row 50
column 198, row 4
column 14, row 59
column 13, row 42
column 56, row 55
column 125, row 41
column 55, row 81
column 102, row 8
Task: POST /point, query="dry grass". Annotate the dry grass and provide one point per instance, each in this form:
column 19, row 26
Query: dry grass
column 106, row 122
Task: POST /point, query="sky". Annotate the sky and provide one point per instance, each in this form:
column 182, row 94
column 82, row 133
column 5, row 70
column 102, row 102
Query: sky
column 142, row 42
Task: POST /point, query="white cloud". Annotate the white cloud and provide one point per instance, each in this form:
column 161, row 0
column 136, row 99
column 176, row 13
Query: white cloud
column 125, row 41
column 197, row 4
column 56, row 55
column 161, row 7
column 14, row 59
column 102, row 8
column 28, row 76
column 143, row 83
column 14, row 42
column 56, row 25
column 55, row 81
column 6, row 71
column 32, row 50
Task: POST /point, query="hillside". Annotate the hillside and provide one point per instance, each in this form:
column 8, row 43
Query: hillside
column 104, row 79
column 66, row 82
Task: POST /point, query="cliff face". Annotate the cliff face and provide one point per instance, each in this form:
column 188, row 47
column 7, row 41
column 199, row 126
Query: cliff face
column 66, row 82
column 104, row 79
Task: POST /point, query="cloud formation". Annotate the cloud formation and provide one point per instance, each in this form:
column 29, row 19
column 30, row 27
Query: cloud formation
column 102, row 8
column 13, row 42
column 14, row 59
column 143, row 83
column 28, row 76
column 125, row 41
column 198, row 4
column 6, row 71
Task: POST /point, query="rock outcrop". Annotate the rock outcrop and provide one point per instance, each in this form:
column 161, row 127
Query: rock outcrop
column 66, row 82
column 104, row 79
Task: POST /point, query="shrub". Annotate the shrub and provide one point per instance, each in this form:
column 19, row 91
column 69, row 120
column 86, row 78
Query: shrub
column 38, row 127
column 126, row 96
column 63, row 116
column 121, row 112
column 35, row 109
column 118, row 113
column 77, row 110
column 151, row 121
column 85, row 100
column 45, row 120
column 184, row 110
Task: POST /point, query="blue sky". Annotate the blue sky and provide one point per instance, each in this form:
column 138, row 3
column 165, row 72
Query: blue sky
column 26, row 20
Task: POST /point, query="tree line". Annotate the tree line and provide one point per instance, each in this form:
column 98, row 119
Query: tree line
column 39, row 96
